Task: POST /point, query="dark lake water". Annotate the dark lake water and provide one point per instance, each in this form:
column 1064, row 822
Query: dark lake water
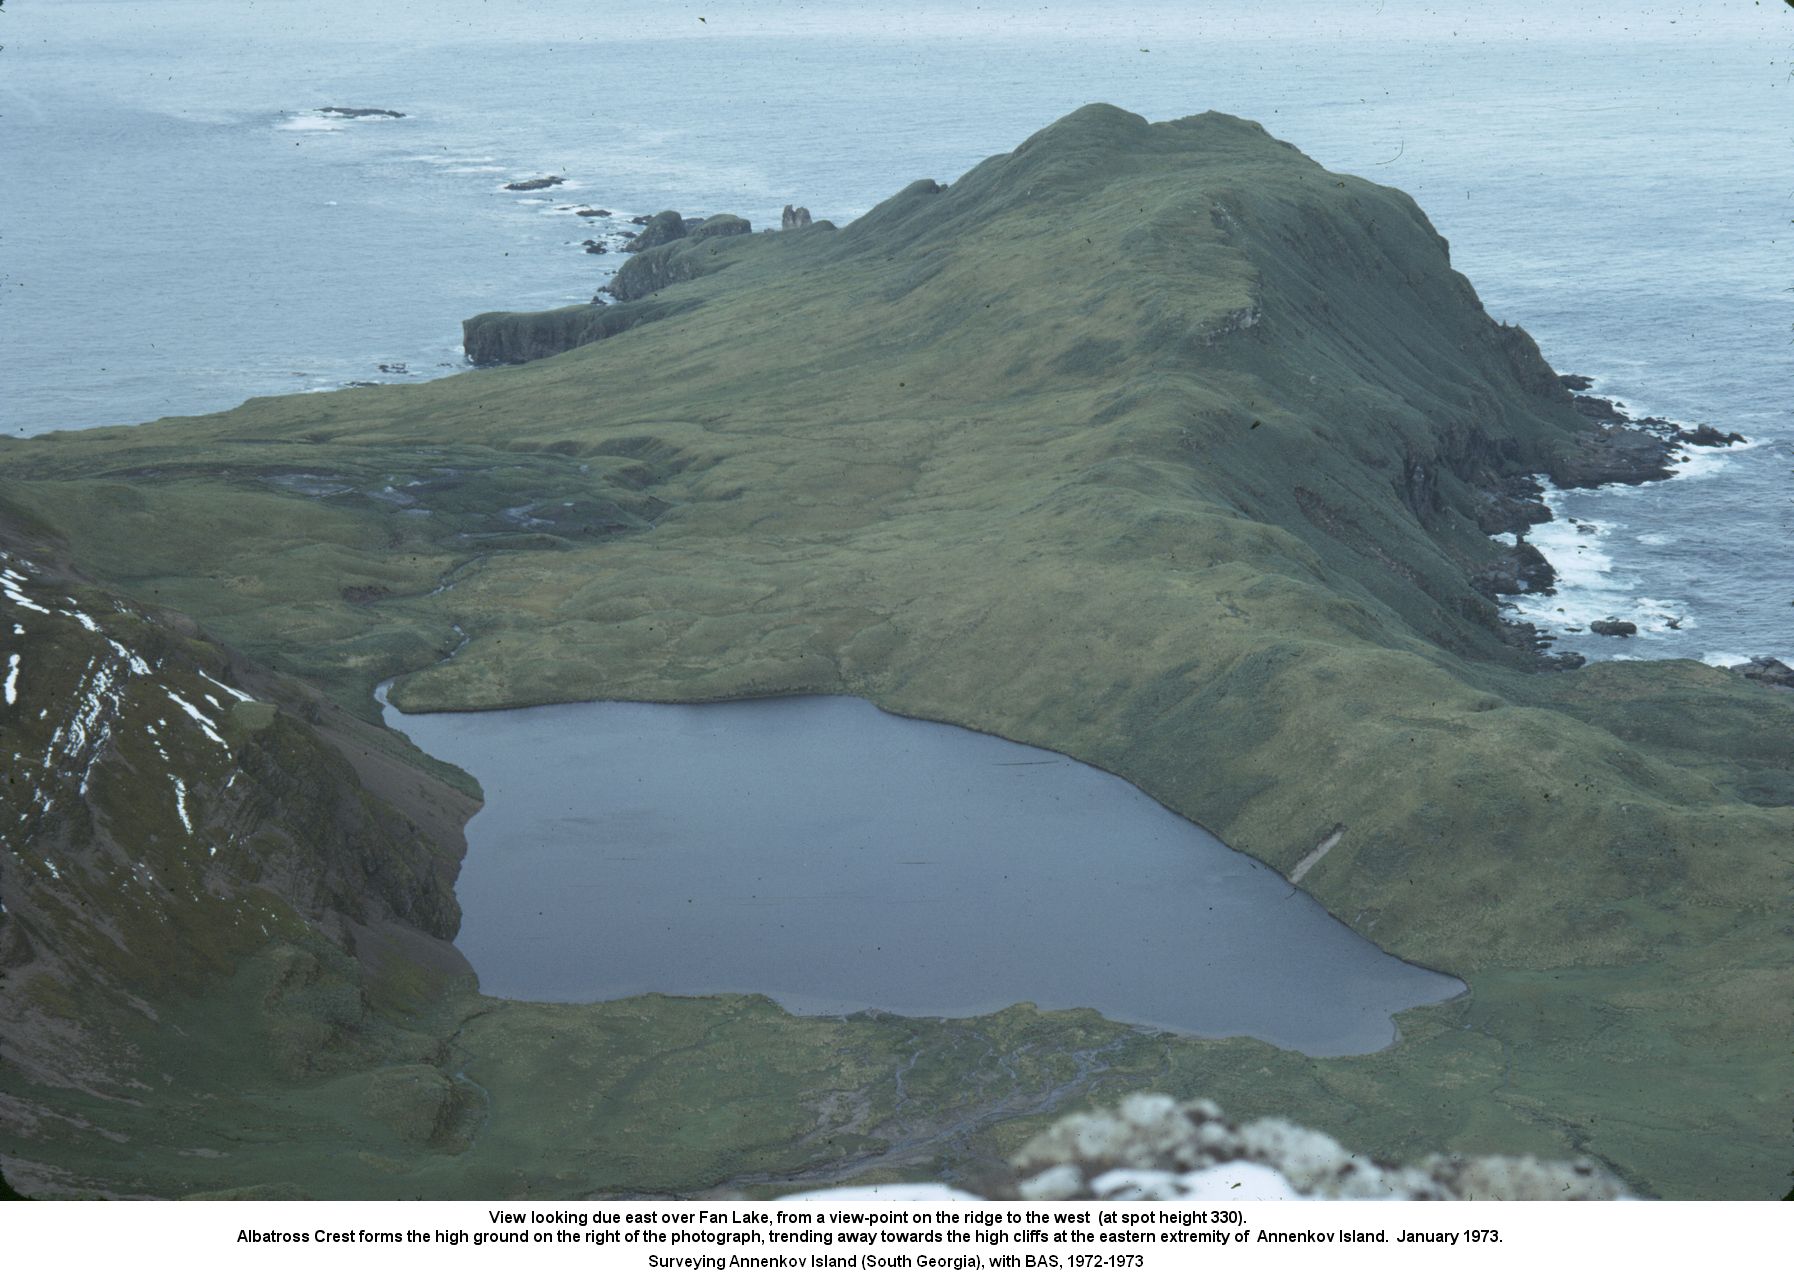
column 836, row 858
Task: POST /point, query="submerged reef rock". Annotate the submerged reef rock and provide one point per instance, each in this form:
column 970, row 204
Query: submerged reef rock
column 360, row 112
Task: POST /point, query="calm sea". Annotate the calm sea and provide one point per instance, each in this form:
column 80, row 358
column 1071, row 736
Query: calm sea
column 182, row 228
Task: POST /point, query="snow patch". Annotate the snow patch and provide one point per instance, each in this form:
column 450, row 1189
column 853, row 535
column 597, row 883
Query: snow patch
column 9, row 585
column 180, row 802
column 12, row 680
column 199, row 718
column 133, row 661
column 237, row 694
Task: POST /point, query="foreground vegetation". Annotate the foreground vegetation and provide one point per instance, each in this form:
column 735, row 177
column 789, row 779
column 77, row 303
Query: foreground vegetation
column 1157, row 445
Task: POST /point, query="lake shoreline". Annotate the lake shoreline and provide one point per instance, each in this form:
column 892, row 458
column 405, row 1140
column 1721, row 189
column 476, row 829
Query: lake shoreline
column 1039, row 941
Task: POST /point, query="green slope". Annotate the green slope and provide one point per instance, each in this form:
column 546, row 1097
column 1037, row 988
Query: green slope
column 1155, row 444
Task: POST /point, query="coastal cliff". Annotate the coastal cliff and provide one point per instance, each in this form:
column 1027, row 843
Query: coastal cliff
column 1155, row 444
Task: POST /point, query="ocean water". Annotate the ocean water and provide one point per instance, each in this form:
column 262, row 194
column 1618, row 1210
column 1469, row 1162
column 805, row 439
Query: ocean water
column 183, row 229
column 838, row 858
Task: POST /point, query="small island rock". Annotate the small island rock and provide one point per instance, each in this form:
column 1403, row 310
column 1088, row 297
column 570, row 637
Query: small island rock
column 1707, row 435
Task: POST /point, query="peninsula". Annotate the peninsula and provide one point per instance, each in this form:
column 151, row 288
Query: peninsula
column 1158, row 445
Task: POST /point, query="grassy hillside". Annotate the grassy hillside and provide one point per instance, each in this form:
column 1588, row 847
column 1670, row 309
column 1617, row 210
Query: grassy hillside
column 1155, row 444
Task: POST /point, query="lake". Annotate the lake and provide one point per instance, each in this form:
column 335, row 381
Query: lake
column 838, row 858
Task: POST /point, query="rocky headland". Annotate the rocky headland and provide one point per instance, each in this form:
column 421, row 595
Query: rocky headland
column 1212, row 512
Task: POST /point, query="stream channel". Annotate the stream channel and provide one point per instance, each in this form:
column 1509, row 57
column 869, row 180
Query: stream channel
column 836, row 858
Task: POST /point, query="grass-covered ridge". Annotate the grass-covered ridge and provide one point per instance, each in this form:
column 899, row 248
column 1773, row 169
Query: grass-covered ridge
column 1159, row 445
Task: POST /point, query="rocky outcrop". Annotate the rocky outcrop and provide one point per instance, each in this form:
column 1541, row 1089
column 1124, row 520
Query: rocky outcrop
column 360, row 112
column 1154, row 1148
column 1767, row 671
column 794, row 218
column 1521, row 568
column 496, row 338
column 1596, row 408
column 662, row 227
column 1512, row 505
column 1614, row 453
column 1707, row 435
column 535, row 183
column 721, row 226
column 677, row 262
column 1613, row 627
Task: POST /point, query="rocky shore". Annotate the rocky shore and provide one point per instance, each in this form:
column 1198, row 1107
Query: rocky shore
column 1621, row 450
column 662, row 249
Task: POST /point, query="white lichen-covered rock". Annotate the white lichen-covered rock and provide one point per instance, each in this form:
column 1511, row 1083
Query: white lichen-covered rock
column 1154, row 1148
column 1238, row 1182
column 905, row 1192
column 1234, row 1181
column 1055, row 1184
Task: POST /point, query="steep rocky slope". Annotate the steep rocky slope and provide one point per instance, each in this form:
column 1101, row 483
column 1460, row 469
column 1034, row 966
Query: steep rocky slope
column 1156, row 444
column 169, row 832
